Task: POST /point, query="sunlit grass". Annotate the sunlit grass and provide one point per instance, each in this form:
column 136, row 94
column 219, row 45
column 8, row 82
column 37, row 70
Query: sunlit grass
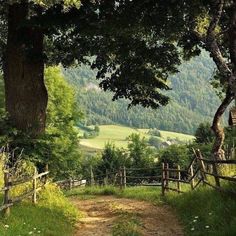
column 54, row 215
column 127, row 224
column 117, row 134
column 205, row 212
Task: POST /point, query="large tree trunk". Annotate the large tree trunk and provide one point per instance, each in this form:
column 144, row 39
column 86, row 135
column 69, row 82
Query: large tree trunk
column 26, row 94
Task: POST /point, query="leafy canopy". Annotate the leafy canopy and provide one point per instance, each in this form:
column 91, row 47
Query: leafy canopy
column 131, row 44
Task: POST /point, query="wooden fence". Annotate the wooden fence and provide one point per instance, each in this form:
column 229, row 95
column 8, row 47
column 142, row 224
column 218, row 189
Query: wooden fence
column 197, row 172
column 168, row 178
column 150, row 176
column 71, row 183
column 124, row 176
column 9, row 201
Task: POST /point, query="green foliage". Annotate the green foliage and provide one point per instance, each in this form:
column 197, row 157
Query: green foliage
column 188, row 107
column 89, row 191
column 230, row 137
column 63, row 114
column 140, row 154
column 175, row 155
column 137, row 53
column 112, row 159
column 96, row 128
column 91, row 133
column 59, row 145
column 154, row 132
column 155, row 141
column 48, row 3
column 204, row 134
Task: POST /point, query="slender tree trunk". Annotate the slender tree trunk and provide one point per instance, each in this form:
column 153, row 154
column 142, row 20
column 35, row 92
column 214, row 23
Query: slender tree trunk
column 26, row 94
column 218, row 152
column 227, row 72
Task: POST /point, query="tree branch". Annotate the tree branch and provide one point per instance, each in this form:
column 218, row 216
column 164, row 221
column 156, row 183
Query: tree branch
column 211, row 42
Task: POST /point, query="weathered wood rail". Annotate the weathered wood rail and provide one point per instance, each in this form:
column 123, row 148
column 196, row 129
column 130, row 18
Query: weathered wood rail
column 9, row 184
column 70, row 183
column 128, row 177
column 168, row 178
column 197, row 173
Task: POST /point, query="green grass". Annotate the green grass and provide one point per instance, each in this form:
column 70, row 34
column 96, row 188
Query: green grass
column 52, row 216
column 203, row 212
column 118, row 135
column 127, row 224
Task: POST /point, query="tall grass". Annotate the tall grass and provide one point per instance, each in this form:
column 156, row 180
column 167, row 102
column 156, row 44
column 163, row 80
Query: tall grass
column 54, row 215
column 205, row 212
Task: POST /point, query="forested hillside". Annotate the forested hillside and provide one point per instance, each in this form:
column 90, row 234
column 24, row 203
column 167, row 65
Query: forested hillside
column 193, row 100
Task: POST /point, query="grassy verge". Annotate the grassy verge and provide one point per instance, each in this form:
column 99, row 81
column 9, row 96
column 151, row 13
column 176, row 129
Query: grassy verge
column 140, row 193
column 203, row 212
column 52, row 216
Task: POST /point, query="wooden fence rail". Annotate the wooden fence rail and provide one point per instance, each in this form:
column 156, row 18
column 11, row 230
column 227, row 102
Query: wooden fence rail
column 9, row 184
column 71, row 183
column 197, row 173
column 168, row 178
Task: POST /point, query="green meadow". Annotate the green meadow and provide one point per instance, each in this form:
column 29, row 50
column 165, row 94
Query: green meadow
column 118, row 135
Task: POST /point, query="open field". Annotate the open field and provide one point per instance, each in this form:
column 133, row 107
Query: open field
column 118, row 135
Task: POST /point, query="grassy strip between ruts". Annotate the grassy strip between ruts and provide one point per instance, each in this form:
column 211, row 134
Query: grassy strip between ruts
column 54, row 215
column 203, row 212
column 127, row 224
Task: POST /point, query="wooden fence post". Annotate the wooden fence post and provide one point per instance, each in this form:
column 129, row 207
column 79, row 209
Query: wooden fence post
column 179, row 178
column 121, row 178
column 167, row 176
column 34, row 197
column 215, row 172
column 70, row 183
column 91, row 176
column 6, row 192
column 201, row 164
column 163, row 179
column 46, row 176
column 192, row 179
column 124, row 176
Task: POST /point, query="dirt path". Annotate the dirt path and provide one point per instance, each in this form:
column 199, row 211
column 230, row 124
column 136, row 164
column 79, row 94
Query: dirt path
column 102, row 212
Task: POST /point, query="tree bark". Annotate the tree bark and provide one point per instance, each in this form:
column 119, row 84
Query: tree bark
column 26, row 94
column 218, row 152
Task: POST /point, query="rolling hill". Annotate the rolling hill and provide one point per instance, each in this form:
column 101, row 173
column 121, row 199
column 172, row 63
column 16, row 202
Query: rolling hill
column 193, row 100
column 118, row 135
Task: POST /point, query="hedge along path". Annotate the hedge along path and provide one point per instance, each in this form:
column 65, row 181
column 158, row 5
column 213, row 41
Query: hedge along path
column 101, row 213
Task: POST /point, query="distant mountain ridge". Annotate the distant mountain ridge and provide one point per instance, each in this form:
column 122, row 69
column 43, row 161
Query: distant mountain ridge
column 193, row 100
